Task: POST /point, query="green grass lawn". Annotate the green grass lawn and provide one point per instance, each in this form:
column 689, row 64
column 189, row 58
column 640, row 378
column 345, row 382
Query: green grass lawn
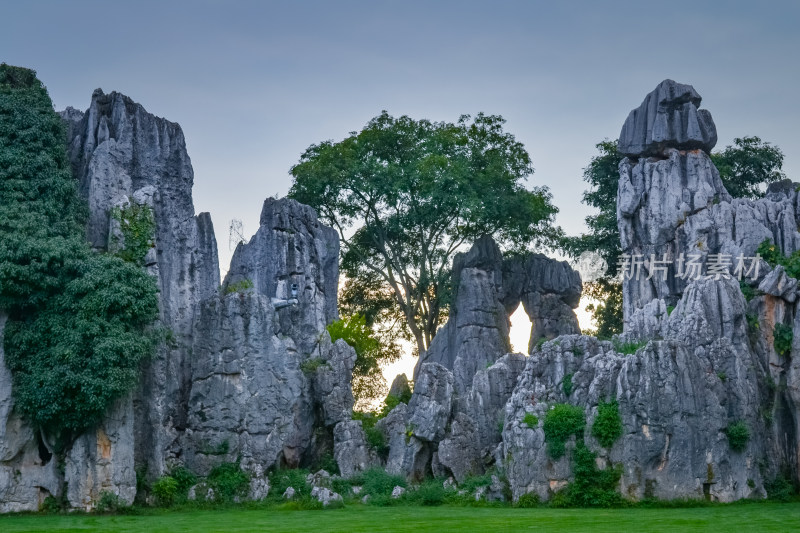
column 727, row 519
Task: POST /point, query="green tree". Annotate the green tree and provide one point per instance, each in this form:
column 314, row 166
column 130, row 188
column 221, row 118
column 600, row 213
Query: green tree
column 79, row 321
column 602, row 175
column 371, row 353
column 406, row 195
column 748, row 165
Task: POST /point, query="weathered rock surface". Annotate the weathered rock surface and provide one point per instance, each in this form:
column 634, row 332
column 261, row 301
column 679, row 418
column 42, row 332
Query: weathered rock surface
column 265, row 375
column 394, row 430
column 122, row 154
column 292, row 249
column 102, row 460
column 476, row 333
column 549, row 291
column 669, row 116
column 400, row 386
column 488, row 289
column 325, row 496
column 351, row 451
column 707, row 364
column 675, row 408
column 471, row 350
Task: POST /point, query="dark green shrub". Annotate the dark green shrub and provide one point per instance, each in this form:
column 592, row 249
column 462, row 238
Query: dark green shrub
column 591, row 487
column 51, row 505
column 780, row 489
column 377, row 441
column 607, row 426
column 185, row 479
column 782, row 339
column 326, row 462
column 769, row 252
column 165, row 490
column 528, row 500
column 738, row 435
column 772, row 255
column 531, row 420
column 473, row 483
column 109, row 503
column 309, row 366
column 561, row 422
column 429, row 493
column 280, row 480
column 747, row 291
column 377, row 482
column 753, row 324
column 566, row 385
column 228, row 481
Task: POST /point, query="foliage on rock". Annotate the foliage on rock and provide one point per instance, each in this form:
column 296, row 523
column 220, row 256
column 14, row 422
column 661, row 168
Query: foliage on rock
column 137, row 224
column 607, row 425
column 782, row 339
column 561, row 422
column 738, row 434
column 79, row 320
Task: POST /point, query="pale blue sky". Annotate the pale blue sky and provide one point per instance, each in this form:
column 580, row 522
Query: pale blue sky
column 254, row 83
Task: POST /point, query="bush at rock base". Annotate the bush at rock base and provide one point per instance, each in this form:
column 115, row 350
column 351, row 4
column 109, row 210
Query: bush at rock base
column 165, row 490
column 229, row 481
column 591, row 487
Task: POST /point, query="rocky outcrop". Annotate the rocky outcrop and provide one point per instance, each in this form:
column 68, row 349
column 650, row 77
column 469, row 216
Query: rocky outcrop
column 487, row 289
column 103, row 461
column 675, row 403
column 292, row 256
column 122, row 155
column 549, row 291
column 471, row 446
column 476, row 333
column 265, row 375
column 458, row 433
column 351, row 451
column 696, row 358
column 668, row 117
column 248, row 374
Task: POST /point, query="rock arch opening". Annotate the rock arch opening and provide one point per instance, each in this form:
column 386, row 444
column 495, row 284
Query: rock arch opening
column 519, row 333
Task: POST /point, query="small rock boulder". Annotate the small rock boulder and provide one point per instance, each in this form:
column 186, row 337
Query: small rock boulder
column 325, row 496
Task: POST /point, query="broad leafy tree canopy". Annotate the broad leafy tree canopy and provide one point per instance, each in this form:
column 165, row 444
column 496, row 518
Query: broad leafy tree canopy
column 406, row 195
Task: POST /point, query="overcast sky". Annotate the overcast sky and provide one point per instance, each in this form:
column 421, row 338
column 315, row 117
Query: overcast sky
column 255, row 83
